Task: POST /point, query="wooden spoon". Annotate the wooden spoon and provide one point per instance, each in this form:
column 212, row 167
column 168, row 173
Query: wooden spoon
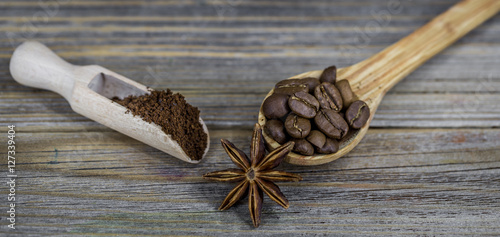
column 372, row 78
column 88, row 89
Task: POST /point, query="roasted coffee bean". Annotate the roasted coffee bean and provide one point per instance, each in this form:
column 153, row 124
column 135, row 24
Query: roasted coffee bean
column 303, row 104
column 275, row 106
column 331, row 146
column 357, row 114
column 290, row 86
column 274, row 128
column 345, row 90
column 303, row 147
column 328, row 96
column 297, row 126
column 329, row 75
column 311, row 82
column 316, row 138
column 331, row 123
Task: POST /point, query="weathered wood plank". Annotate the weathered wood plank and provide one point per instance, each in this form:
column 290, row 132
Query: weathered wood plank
column 58, row 150
column 415, row 173
column 423, row 181
column 223, row 108
column 241, row 56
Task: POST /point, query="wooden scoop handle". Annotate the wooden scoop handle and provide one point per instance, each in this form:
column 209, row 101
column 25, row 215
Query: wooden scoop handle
column 33, row 64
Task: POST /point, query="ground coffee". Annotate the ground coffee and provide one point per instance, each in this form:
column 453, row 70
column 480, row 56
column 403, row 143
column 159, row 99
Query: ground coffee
column 175, row 117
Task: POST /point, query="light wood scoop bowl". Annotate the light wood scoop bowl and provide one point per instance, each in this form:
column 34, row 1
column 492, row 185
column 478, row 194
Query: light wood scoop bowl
column 372, row 78
column 89, row 90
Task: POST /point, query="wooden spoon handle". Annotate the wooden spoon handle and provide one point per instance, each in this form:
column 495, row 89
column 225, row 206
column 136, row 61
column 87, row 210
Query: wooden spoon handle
column 373, row 77
column 33, row 64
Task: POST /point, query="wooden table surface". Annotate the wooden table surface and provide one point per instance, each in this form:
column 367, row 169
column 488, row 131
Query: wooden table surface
column 429, row 165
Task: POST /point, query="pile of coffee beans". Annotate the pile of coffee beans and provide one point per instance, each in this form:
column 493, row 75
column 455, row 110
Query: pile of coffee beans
column 314, row 113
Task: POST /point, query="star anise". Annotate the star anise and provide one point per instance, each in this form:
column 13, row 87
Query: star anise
column 255, row 175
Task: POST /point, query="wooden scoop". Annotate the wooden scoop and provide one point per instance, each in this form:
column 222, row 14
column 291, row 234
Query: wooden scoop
column 373, row 77
column 88, row 89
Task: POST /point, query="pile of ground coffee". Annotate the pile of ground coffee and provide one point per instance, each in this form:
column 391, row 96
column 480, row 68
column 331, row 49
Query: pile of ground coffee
column 174, row 115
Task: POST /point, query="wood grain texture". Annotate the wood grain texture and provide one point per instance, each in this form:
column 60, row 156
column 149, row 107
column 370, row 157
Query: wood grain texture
column 428, row 166
column 104, row 182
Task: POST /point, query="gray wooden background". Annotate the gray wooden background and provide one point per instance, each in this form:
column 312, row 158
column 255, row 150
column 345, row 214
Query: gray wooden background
column 429, row 165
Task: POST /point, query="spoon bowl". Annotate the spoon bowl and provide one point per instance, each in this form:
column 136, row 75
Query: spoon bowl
column 372, row 78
